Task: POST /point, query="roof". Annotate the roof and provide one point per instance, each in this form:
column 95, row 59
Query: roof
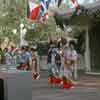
column 93, row 7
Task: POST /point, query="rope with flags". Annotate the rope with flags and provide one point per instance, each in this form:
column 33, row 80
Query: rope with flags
column 40, row 10
column 64, row 19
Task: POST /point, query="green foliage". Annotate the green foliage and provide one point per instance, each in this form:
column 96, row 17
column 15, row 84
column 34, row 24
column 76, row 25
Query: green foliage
column 95, row 25
column 12, row 12
column 42, row 32
column 81, row 21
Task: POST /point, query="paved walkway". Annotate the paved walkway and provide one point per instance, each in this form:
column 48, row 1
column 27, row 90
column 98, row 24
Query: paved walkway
column 87, row 88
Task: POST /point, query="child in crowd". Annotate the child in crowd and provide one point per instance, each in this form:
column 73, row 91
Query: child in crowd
column 22, row 59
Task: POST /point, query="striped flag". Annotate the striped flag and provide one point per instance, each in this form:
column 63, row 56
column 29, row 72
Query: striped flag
column 45, row 3
column 33, row 10
column 44, row 6
column 44, row 10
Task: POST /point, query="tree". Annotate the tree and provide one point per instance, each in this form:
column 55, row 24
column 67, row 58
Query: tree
column 42, row 32
column 12, row 13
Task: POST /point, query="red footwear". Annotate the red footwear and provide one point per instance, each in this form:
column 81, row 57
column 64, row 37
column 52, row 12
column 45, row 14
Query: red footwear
column 51, row 79
column 67, row 85
column 58, row 80
column 54, row 79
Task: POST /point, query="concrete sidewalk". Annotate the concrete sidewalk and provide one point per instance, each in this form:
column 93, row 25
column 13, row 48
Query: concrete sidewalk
column 89, row 80
column 83, row 78
column 88, row 88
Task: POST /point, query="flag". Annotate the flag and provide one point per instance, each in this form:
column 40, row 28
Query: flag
column 45, row 3
column 75, row 2
column 59, row 2
column 33, row 10
column 44, row 10
column 44, row 7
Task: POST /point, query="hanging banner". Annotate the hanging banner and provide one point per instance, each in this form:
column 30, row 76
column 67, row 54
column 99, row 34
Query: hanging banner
column 33, row 10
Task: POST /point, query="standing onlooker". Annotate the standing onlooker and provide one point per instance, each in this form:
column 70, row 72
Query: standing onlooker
column 8, row 57
column 25, row 64
column 2, row 58
column 35, row 64
column 23, row 59
column 0, row 55
column 18, row 58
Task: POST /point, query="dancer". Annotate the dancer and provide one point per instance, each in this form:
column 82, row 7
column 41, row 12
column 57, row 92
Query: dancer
column 66, row 71
column 67, row 74
column 54, row 75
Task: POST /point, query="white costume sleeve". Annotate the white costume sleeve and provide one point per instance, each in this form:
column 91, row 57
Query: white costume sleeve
column 74, row 55
column 53, row 70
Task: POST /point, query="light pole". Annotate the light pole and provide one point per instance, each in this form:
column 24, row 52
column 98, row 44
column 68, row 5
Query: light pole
column 23, row 38
column 14, row 31
column 22, row 34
